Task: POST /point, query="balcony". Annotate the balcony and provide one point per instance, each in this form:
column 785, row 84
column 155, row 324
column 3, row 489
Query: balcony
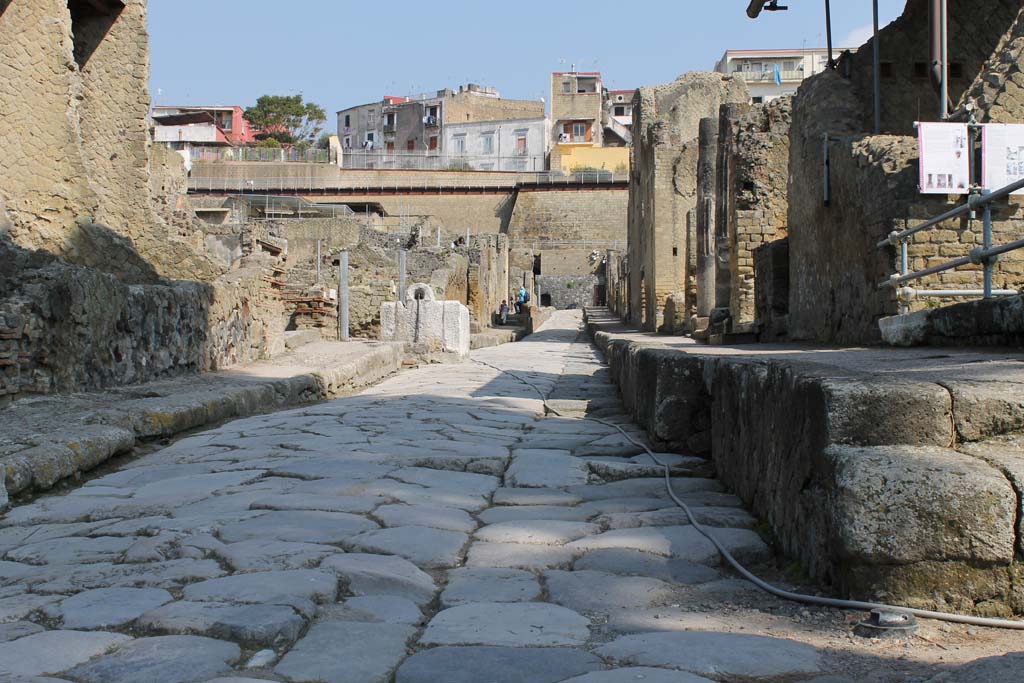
column 389, row 129
column 769, row 76
column 431, row 121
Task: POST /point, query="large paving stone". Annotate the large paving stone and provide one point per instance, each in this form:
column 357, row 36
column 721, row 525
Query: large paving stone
column 18, row 629
column 424, row 546
column 264, row 555
column 683, row 542
column 519, row 556
column 536, row 532
column 299, row 525
column 495, row 665
column 645, row 487
column 168, row 659
column 481, row 484
column 71, row 550
column 251, row 625
column 452, row 519
column 388, row 609
column 630, row 562
column 413, row 494
column 489, row 584
column 545, row 469
column 367, row 574
column 507, row 624
column 722, row 655
column 522, row 496
column 302, row 501
column 708, row 516
column 277, row 587
column 346, row 652
column 516, row 513
column 638, row 673
column 588, row 591
column 108, row 607
column 52, row 652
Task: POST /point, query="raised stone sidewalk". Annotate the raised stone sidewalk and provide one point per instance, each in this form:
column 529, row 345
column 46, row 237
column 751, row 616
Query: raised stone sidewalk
column 47, row 439
column 892, row 474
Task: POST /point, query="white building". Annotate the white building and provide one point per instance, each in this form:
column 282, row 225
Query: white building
column 770, row 74
column 510, row 145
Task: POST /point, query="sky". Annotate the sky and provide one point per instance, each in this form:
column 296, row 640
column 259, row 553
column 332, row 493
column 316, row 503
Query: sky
column 339, row 53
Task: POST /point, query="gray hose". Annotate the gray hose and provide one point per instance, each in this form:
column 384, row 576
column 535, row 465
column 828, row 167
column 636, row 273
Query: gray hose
column 749, row 576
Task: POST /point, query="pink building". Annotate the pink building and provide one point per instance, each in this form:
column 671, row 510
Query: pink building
column 202, row 125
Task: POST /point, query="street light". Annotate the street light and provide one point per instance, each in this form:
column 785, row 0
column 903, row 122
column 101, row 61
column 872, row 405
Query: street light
column 755, row 7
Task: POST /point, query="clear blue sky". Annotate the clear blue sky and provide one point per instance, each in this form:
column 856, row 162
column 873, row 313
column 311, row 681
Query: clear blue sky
column 340, row 53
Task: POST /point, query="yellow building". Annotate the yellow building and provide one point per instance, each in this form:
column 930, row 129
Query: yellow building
column 574, row 157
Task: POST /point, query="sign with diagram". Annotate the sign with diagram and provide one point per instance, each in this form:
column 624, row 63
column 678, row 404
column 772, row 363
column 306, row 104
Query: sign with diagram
column 945, row 165
column 1002, row 151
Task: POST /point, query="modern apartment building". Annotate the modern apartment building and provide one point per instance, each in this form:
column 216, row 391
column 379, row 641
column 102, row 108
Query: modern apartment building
column 590, row 126
column 770, row 74
column 504, row 145
column 416, row 124
column 207, row 125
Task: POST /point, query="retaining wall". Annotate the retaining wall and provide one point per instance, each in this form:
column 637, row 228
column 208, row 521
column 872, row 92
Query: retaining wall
column 852, row 471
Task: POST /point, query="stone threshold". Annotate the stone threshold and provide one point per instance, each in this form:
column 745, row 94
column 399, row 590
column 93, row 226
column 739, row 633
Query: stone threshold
column 47, row 439
column 890, row 474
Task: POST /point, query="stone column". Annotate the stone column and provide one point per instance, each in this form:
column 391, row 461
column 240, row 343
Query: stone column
column 707, row 164
column 728, row 115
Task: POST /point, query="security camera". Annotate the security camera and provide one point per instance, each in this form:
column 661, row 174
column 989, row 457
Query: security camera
column 755, row 7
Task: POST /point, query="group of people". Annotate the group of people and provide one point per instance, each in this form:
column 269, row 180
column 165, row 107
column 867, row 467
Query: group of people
column 522, row 297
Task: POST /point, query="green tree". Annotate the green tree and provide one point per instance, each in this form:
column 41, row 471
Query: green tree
column 287, row 116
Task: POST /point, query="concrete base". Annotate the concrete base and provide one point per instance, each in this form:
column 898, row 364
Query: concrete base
column 850, row 466
column 992, row 322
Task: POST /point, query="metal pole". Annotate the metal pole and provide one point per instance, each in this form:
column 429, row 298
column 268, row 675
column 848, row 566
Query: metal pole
column 905, row 308
column 944, row 89
column 343, row 295
column 318, row 261
column 439, row 237
column 987, row 244
column 401, row 275
column 828, row 32
column 877, row 71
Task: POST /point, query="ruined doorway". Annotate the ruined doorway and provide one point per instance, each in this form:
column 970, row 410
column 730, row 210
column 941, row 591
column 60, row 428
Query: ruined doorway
column 91, row 20
column 545, row 299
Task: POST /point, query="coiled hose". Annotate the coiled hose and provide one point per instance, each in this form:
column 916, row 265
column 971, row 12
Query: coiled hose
column 747, row 574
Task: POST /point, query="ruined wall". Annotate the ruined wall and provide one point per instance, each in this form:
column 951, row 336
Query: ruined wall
column 487, row 281
column 976, row 30
column 663, row 183
column 95, row 221
column 570, row 215
column 758, row 202
column 834, row 262
column 567, row 291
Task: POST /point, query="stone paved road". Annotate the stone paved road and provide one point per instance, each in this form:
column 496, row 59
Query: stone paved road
column 436, row 528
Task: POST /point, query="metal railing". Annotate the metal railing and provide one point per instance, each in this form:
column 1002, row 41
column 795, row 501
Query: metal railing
column 267, row 154
column 985, row 255
column 376, row 159
column 394, row 182
column 754, row 76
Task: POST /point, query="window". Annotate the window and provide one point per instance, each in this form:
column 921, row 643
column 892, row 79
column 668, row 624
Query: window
column 620, row 110
column 757, row 100
column 410, row 145
column 389, row 120
column 348, row 120
column 885, row 69
column 566, row 87
column 370, row 137
column 520, row 136
column 222, row 119
column 432, row 144
column 348, row 142
column 91, row 20
column 389, row 146
column 458, row 144
column 579, row 132
column 488, row 139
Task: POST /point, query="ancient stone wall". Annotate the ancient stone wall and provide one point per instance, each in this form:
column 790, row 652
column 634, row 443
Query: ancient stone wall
column 976, row 30
column 758, row 157
column 567, row 291
column 835, row 265
column 569, row 215
column 663, row 184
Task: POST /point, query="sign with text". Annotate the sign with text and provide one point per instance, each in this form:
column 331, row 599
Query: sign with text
column 945, row 166
column 1002, row 152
